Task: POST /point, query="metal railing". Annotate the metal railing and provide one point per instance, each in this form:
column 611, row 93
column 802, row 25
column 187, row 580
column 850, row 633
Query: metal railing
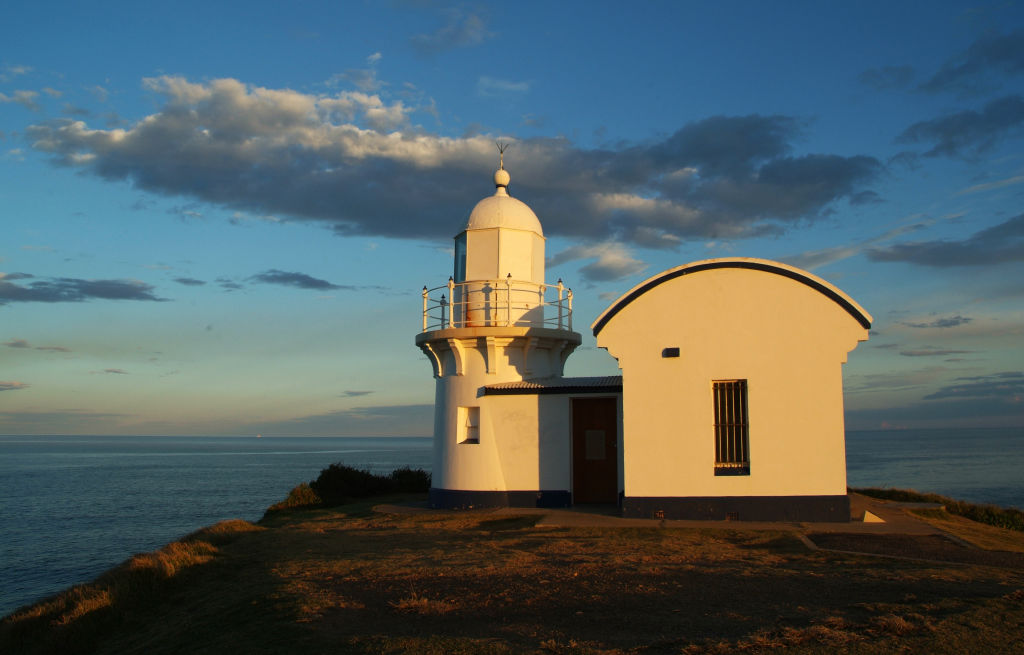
column 497, row 303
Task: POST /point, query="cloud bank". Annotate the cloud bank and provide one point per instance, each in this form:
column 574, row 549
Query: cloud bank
column 946, row 322
column 611, row 261
column 22, row 343
column 1007, row 385
column 354, row 162
column 998, row 244
column 987, row 59
column 970, row 132
column 65, row 289
column 298, row 280
column 992, row 400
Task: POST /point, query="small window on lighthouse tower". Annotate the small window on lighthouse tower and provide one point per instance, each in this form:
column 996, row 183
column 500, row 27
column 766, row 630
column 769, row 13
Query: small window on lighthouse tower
column 460, row 258
column 469, row 425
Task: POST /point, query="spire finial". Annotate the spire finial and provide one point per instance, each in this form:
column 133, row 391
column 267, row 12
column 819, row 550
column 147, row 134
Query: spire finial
column 502, row 147
column 501, row 176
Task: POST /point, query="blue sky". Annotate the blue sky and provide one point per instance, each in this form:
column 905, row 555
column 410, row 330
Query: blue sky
column 216, row 218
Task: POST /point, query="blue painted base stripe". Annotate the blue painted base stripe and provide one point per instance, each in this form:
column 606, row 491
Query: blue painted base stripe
column 740, row 508
column 462, row 499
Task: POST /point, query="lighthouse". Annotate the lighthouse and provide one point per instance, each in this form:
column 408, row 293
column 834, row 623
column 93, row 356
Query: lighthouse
column 495, row 324
column 729, row 406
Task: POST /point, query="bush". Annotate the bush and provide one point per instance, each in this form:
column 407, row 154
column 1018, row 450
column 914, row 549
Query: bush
column 1009, row 518
column 300, row 496
column 339, row 484
column 408, row 480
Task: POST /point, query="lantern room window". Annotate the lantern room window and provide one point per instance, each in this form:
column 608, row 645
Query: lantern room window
column 460, row 258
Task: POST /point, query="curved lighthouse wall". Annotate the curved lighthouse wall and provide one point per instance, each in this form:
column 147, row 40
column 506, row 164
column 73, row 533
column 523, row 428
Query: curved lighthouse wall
column 497, row 450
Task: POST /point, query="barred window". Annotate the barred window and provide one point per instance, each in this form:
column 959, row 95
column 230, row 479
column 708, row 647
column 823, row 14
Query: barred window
column 732, row 455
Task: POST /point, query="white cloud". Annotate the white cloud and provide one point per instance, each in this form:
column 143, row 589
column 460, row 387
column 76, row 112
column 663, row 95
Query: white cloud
column 1010, row 181
column 99, row 93
column 26, row 99
column 492, row 86
column 812, row 259
column 611, row 261
column 10, row 71
column 364, row 79
column 354, row 160
column 460, row 30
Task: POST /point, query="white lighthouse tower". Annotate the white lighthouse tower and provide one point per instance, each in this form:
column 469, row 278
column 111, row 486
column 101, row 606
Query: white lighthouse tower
column 495, row 322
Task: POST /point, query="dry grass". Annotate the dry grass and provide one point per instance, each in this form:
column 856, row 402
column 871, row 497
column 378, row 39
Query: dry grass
column 981, row 535
column 416, row 604
column 72, row 620
column 349, row 580
column 1001, row 517
column 301, row 495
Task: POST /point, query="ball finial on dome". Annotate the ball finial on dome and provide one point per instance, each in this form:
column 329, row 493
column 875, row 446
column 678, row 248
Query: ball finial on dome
column 502, row 210
column 501, row 176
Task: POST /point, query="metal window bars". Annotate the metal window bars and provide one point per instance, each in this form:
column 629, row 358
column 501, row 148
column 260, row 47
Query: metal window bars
column 732, row 425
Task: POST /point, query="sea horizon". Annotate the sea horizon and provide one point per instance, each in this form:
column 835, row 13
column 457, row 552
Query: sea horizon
column 427, row 436
column 78, row 505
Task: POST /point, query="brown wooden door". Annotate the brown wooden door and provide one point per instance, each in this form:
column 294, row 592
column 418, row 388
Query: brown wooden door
column 594, row 450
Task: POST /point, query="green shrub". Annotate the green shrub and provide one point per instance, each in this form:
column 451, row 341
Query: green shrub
column 1001, row 517
column 339, row 484
column 408, row 480
column 300, row 496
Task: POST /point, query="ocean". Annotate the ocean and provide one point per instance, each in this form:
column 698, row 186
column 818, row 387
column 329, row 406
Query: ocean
column 72, row 507
column 976, row 465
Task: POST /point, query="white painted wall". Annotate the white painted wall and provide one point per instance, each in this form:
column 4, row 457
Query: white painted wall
column 503, row 242
column 530, row 435
column 513, row 450
column 787, row 339
column 493, row 253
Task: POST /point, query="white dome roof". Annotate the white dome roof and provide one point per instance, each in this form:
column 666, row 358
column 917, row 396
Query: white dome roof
column 502, row 210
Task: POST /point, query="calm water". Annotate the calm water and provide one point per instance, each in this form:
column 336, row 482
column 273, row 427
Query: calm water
column 73, row 507
column 982, row 466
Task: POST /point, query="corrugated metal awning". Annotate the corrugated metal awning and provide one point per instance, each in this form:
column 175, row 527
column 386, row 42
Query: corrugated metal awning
column 605, row 384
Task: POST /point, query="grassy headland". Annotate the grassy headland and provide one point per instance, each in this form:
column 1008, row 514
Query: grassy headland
column 1000, row 517
column 348, row 579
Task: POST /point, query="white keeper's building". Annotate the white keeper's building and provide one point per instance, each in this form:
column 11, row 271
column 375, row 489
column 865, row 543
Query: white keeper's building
column 729, row 406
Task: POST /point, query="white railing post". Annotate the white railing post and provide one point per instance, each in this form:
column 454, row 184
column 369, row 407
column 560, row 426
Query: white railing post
column 570, row 310
column 542, row 301
column 561, row 290
column 508, row 299
column 425, row 309
column 451, row 301
column 454, row 314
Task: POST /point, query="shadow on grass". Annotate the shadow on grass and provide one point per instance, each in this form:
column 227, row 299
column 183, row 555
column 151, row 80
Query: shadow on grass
column 147, row 603
column 346, row 579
